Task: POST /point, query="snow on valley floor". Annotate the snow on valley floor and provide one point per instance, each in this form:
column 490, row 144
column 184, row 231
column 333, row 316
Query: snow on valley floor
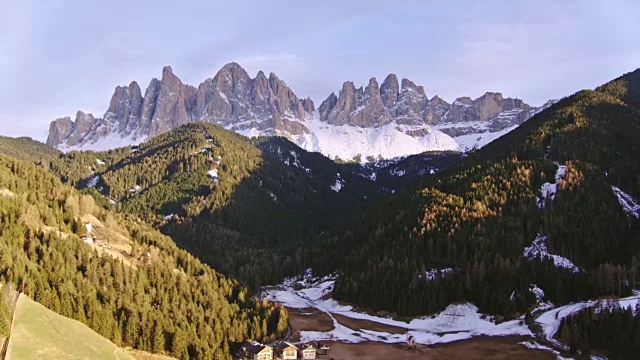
column 456, row 322
column 550, row 320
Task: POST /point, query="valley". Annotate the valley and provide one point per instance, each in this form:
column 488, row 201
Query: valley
column 330, row 180
column 528, row 244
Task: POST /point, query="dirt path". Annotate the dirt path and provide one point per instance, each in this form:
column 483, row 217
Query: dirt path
column 308, row 320
column 368, row 325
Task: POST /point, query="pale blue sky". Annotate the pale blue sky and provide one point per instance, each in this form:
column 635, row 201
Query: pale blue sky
column 57, row 57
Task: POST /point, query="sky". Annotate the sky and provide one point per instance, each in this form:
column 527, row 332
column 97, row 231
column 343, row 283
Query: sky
column 61, row 56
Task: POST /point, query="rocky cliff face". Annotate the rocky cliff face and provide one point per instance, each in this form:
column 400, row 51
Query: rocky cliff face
column 231, row 99
column 393, row 118
column 407, row 104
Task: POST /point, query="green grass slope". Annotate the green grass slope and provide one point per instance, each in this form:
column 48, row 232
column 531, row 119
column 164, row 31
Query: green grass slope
column 39, row 333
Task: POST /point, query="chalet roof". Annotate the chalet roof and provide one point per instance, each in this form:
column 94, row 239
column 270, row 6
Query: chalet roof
column 285, row 345
column 254, row 347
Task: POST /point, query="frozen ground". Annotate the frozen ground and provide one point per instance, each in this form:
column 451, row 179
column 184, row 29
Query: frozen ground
column 388, row 141
column 456, row 322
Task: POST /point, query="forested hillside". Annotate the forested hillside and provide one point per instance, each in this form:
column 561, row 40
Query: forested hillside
column 547, row 207
column 613, row 331
column 369, row 180
column 27, row 149
column 153, row 296
column 489, row 228
column 244, row 211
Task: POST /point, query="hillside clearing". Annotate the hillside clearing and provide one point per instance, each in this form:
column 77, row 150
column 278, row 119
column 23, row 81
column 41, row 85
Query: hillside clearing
column 39, row 333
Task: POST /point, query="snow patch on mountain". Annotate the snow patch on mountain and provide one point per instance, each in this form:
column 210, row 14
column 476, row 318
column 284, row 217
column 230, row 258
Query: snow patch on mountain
column 389, row 141
column 548, row 189
column 433, row 274
column 475, row 141
column 539, row 250
column 630, row 205
column 537, row 292
column 339, row 183
column 111, row 141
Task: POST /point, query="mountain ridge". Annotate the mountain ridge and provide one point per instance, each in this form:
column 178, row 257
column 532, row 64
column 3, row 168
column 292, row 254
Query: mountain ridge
column 268, row 106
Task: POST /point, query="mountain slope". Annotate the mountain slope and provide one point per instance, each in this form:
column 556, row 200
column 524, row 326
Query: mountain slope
column 237, row 208
column 386, row 121
column 537, row 206
column 132, row 285
column 37, row 334
column 27, row 149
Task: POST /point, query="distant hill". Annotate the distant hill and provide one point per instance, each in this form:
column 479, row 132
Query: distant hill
column 27, row 149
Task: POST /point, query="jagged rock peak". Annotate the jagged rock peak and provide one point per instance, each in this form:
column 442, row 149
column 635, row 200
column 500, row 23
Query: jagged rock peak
column 389, row 90
column 327, row 105
column 463, row 100
column 167, row 71
column 437, row 100
column 308, row 105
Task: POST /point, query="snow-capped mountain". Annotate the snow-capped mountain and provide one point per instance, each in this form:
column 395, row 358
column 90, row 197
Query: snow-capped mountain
column 380, row 121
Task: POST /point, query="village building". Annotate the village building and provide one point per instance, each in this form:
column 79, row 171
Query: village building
column 135, row 189
column 287, row 351
column 308, row 351
column 255, row 351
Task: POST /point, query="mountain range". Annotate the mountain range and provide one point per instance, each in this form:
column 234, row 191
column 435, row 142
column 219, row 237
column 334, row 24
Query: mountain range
column 393, row 119
column 198, row 217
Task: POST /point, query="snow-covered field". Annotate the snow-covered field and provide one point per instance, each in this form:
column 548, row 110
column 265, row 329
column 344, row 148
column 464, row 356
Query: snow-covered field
column 478, row 140
column 388, row 141
column 456, row 322
column 111, row 141
column 344, row 141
